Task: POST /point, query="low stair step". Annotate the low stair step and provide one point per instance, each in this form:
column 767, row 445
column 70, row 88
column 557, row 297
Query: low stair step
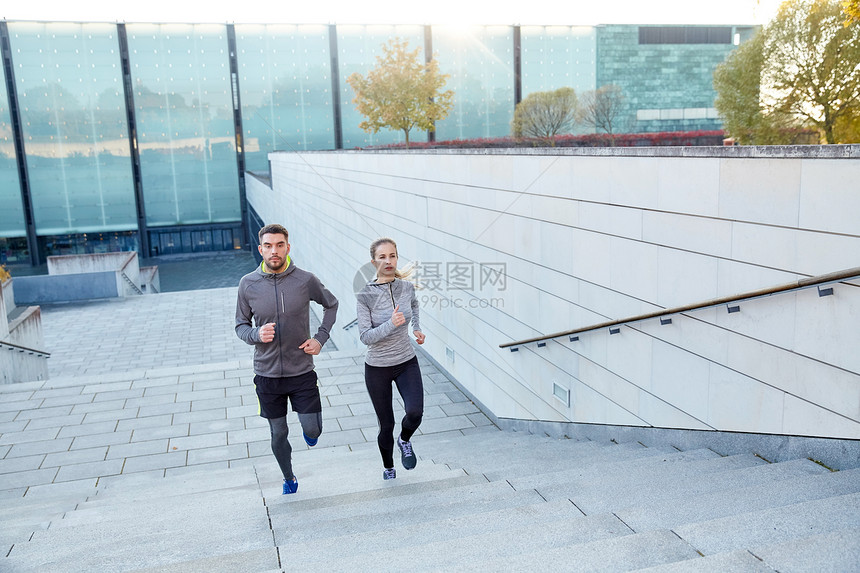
column 500, row 469
column 492, row 446
column 774, row 525
column 741, row 561
column 331, row 481
column 141, row 551
column 258, row 560
column 158, row 516
column 737, row 492
column 366, row 503
column 623, row 553
column 475, row 548
column 146, row 486
column 627, row 473
column 599, row 468
column 831, row 551
column 634, row 482
column 386, row 517
column 378, row 491
column 514, row 519
column 487, row 440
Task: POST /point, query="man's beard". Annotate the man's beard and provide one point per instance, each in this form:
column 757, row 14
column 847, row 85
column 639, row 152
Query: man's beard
column 276, row 269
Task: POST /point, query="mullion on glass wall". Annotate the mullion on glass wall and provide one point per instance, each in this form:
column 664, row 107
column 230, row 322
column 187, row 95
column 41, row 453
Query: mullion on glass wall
column 428, row 57
column 128, row 89
column 238, row 129
column 16, row 212
column 335, row 87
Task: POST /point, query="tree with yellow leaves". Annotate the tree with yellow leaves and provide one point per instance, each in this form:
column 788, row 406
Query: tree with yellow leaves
column 401, row 93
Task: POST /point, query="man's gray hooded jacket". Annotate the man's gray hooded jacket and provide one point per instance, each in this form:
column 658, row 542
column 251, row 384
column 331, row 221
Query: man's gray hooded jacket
column 284, row 299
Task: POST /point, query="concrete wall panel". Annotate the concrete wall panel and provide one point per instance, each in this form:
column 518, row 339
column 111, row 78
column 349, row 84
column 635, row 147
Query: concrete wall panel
column 591, row 235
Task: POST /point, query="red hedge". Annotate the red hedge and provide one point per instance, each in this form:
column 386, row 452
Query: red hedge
column 682, row 138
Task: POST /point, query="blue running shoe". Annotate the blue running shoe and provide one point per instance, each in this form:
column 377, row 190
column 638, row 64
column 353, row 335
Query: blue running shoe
column 310, row 441
column 291, row 486
column 389, row 473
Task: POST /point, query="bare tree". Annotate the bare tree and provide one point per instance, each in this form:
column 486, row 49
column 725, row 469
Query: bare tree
column 602, row 108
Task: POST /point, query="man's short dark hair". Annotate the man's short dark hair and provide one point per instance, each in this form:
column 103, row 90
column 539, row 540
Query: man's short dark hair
column 273, row 229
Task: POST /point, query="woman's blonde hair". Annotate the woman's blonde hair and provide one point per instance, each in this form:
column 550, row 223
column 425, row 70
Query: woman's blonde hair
column 398, row 273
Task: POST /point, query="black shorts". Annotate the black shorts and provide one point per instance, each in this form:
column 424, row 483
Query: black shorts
column 301, row 391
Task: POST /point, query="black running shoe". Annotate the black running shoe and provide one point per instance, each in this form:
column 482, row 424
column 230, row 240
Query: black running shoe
column 407, row 456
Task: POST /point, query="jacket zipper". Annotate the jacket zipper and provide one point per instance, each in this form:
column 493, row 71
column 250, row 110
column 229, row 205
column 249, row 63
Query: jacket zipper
column 278, row 322
column 391, row 293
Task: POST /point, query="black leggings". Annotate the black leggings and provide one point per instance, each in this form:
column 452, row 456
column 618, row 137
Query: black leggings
column 311, row 426
column 407, row 377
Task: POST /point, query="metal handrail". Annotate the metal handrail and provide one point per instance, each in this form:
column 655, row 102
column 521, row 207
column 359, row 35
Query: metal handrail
column 25, row 348
column 131, row 282
column 797, row 285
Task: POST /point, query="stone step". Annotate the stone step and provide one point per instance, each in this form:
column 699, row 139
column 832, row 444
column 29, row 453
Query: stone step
column 737, row 492
column 436, row 531
column 781, row 524
column 209, row 489
column 734, row 561
column 490, row 447
column 397, row 512
column 528, row 453
column 628, row 473
column 380, row 491
column 485, row 438
column 29, row 511
column 202, row 539
column 833, row 551
column 474, row 547
column 156, row 515
column 620, row 553
column 593, row 485
column 257, row 561
column 514, row 465
column 396, row 498
column 525, row 502
column 137, row 487
column 331, row 480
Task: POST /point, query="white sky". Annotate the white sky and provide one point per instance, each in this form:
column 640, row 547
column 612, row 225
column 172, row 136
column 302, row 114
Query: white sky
column 505, row 12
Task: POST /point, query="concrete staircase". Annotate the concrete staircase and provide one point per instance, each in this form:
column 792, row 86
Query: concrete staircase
column 479, row 499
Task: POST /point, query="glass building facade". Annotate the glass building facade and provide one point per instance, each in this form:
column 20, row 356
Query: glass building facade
column 138, row 136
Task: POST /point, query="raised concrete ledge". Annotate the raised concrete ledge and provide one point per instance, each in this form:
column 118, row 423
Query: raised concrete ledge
column 46, row 289
column 836, row 454
column 849, row 151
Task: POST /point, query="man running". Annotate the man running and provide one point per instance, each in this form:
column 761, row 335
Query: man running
column 276, row 296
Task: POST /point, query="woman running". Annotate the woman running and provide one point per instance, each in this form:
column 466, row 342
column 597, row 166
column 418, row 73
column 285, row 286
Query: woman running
column 385, row 308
